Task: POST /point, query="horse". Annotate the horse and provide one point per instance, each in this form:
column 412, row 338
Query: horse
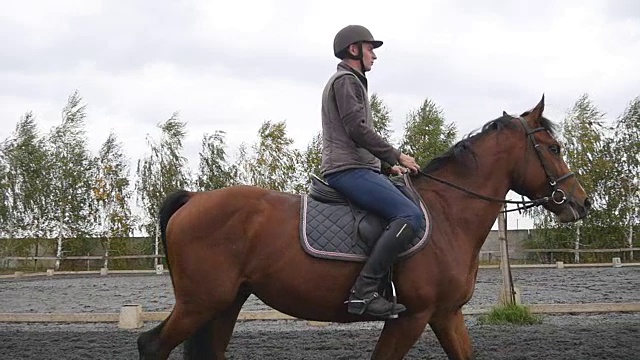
column 223, row 245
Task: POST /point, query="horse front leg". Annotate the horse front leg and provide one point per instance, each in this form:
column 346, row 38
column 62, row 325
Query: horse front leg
column 399, row 335
column 453, row 335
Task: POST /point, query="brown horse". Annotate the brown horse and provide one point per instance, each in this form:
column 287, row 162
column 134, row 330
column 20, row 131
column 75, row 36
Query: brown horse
column 223, row 245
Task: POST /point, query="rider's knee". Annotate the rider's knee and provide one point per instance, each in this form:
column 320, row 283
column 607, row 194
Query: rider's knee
column 414, row 218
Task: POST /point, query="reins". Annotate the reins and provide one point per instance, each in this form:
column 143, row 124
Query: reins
column 526, row 204
column 523, row 204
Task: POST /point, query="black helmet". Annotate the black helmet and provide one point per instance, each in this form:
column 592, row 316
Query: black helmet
column 352, row 34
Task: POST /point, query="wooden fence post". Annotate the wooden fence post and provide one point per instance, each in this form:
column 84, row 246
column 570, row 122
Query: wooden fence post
column 508, row 293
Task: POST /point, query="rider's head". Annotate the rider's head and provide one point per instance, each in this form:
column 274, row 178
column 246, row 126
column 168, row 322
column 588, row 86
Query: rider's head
column 354, row 44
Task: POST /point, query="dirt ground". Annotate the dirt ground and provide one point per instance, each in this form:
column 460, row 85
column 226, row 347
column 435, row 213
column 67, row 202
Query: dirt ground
column 597, row 336
column 93, row 293
column 611, row 336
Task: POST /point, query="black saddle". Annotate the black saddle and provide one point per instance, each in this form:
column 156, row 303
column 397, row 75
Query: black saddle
column 321, row 191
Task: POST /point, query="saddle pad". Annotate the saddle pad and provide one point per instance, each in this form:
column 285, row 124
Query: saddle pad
column 327, row 231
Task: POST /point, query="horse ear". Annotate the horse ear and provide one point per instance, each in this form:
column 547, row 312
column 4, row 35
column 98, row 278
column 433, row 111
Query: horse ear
column 504, row 113
column 537, row 111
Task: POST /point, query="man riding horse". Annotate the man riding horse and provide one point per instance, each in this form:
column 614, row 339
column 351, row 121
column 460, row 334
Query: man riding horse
column 353, row 155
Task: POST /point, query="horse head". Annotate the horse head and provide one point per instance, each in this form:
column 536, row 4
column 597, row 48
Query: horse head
column 542, row 171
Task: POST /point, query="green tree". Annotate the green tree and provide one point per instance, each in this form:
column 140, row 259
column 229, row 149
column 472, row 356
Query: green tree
column 312, row 159
column 25, row 183
column 584, row 138
column 112, row 192
column 274, row 160
column 5, row 199
column 381, row 117
column 214, row 170
column 426, row 134
column 309, row 162
column 72, row 173
column 585, row 151
column 162, row 172
column 625, row 154
column 25, row 187
column 240, row 173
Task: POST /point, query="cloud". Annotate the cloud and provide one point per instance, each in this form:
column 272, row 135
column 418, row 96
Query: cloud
column 232, row 65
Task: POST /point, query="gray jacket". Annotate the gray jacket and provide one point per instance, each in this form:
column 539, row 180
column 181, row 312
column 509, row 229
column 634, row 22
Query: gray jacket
column 348, row 138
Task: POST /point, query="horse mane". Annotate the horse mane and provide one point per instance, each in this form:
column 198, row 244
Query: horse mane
column 463, row 149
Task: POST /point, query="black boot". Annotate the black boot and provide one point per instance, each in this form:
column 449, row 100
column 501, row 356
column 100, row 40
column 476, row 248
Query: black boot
column 364, row 296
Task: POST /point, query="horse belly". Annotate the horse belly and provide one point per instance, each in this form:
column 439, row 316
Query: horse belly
column 315, row 290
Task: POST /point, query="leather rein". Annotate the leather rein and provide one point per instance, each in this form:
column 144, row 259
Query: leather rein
column 523, row 204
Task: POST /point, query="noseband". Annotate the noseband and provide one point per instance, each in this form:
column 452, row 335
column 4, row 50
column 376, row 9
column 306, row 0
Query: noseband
column 553, row 182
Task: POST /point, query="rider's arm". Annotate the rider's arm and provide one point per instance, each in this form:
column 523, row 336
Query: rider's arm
column 350, row 101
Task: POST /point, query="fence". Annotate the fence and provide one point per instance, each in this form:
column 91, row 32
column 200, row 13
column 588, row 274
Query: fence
column 550, row 256
column 144, row 261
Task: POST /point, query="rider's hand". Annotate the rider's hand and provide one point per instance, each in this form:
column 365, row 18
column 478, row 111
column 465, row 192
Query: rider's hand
column 409, row 162
column 396, row 170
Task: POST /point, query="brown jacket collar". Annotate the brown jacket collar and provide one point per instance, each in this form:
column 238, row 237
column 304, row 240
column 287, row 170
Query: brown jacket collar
column 344, row 66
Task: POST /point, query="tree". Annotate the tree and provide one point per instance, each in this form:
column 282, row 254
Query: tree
column 112, row 193
column 312, row 158
column 215, row 172
column 72, row 173
column 381, row 117
column 426, row 134
column 274, row 160
column 241, row 175
column 585, row 152
column 162, row 172
column 583, row 130
column 626, row 156
column 5, row 209
column 309, row 162
column 24, row 186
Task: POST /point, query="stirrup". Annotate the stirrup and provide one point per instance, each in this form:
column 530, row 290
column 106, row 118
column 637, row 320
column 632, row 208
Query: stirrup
column 359, row 306
column 364, row 301
column 394, row 300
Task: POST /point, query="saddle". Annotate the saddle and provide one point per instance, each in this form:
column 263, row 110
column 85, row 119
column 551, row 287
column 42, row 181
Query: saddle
column 332, row 227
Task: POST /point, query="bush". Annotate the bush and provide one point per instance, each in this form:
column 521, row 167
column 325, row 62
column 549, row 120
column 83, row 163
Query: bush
column 510, row 314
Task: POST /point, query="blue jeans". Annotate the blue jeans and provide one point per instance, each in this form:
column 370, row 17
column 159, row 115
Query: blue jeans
column 375, row 192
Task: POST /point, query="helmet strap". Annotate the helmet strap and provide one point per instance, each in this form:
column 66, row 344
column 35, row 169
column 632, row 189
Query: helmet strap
column 359, row 56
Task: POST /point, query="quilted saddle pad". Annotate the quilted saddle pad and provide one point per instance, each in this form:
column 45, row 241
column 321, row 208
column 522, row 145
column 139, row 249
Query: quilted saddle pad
column 331, row 230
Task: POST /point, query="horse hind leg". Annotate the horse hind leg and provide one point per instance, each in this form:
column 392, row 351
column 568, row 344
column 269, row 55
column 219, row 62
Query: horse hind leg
column 193, row 310
column 211, row 340
column 183, row 321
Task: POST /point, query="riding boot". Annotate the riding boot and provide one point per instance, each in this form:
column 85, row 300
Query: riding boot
column 364, row 297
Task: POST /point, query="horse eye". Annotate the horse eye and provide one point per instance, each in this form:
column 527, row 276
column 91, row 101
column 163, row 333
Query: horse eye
column 555, row 149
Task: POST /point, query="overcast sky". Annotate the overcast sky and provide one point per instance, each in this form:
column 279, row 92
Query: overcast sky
column 230, row 65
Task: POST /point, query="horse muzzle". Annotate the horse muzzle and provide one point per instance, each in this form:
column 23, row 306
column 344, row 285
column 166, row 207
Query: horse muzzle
column 573, row 210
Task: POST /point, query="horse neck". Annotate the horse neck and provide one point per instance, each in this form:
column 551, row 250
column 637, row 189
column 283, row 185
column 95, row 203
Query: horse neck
column 460, row 212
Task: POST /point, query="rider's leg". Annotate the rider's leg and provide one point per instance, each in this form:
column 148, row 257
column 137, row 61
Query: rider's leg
column 373, row 191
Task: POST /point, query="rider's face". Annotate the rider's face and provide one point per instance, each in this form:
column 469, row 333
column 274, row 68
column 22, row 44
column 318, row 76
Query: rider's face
column 369, row 56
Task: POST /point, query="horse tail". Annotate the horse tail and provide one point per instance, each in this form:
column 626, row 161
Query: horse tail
column 170, row 205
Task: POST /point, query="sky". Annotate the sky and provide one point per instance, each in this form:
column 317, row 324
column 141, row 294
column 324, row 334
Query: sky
column 230, row 65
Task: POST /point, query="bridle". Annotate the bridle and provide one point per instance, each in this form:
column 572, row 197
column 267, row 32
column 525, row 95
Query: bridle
column 552, row 181
column 524, row 204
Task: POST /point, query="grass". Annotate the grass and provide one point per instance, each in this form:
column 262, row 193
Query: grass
column 510, row 314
